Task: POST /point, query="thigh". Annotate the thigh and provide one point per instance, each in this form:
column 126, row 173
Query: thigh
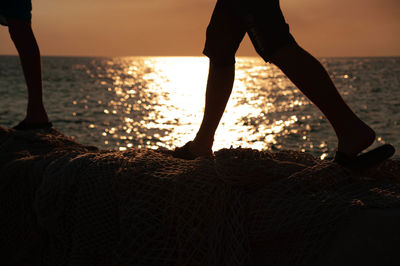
column 224, row 33
column 265, row 24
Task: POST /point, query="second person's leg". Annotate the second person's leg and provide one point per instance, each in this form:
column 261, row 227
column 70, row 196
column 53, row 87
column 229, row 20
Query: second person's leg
column 28, row 50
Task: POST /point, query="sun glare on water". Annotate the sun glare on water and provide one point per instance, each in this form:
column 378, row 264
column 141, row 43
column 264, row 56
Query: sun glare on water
column 160, row 103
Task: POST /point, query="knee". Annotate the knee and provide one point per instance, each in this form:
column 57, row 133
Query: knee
column 268, row 46
column 18, row 29
column 219, row 60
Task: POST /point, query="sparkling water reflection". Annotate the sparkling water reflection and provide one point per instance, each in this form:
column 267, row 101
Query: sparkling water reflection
column 157, row 102
column 169, row 93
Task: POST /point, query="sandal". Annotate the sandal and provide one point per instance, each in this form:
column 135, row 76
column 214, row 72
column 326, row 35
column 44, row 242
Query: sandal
column 365, row 160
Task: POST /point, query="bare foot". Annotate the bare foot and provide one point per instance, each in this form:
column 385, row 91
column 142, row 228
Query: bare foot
column 191, row 152
column 199, row 149
column 34, row 120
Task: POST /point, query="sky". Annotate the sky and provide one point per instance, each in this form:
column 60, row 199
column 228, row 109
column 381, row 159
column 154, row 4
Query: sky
column 177, row 27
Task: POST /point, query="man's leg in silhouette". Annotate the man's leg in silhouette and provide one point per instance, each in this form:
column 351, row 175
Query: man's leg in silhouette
column 24, row 40
column 311, row 78
column 224, row 35
column 274, row 45
column 219, row 88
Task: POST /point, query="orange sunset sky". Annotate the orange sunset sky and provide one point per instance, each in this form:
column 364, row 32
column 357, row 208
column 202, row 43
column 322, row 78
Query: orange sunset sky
column 177, row 27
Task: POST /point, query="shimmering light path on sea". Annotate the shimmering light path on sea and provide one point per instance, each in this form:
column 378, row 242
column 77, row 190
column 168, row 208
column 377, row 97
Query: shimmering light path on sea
column 158, row 102
column 257, row 116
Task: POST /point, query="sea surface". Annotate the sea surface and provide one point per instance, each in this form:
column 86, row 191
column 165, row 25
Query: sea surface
column 152, row 102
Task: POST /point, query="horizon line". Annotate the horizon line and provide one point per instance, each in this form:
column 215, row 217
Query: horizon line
column 238, row 56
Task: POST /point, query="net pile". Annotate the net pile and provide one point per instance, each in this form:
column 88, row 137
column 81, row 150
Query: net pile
column 69, row 204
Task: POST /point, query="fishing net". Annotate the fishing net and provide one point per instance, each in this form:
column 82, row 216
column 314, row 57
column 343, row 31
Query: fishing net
column 63, row 203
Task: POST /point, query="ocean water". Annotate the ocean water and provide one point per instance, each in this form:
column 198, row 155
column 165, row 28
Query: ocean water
column 152, row 102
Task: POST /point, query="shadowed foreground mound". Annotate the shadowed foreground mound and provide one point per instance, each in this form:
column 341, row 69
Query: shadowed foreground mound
column 63, row 203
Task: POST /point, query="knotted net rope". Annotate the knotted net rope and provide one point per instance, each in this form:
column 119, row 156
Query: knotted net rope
column 70, row 204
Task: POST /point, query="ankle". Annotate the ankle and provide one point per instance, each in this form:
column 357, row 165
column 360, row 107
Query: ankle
column 36, row 117
column 203, row 140
column 201, row 148
column 356, row 140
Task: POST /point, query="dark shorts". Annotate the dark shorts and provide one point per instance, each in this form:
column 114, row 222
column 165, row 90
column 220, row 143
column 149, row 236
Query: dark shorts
column 232, row 19
column 15, row 9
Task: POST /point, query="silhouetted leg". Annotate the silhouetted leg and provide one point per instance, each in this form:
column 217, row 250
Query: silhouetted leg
column 219, row 88
column 22, row 35
column 224, row 34
column 311, row 78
